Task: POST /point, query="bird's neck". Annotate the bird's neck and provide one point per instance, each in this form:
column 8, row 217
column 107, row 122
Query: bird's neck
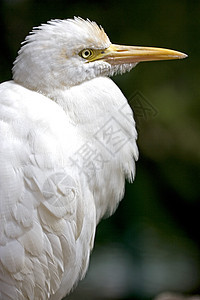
column 105, row 124
column 88, row 103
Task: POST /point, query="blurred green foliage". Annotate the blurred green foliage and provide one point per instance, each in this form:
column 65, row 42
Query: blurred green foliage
column 152, row 242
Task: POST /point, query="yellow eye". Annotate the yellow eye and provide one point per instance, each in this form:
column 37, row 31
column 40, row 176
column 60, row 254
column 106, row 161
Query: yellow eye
column 86, row 53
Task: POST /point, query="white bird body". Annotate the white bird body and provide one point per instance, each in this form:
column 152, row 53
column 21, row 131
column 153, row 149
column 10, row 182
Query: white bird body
column 42, row 141
column 66, row 148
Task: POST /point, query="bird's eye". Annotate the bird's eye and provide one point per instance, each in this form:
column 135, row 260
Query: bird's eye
column 86, row 53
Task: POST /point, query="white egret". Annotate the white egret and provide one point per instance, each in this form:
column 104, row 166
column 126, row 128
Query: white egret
column 68, row 141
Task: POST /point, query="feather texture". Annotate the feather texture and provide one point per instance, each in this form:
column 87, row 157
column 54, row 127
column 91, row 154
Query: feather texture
column 65, row 152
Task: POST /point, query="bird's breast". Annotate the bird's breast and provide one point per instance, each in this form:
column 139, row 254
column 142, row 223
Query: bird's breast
column 107, row 151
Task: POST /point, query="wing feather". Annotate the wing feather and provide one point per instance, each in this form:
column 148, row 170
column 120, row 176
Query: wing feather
column 41, row 209
column 12, row 260
column 32, row 240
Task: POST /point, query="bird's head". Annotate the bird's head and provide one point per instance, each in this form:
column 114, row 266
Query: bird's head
column 64, row 53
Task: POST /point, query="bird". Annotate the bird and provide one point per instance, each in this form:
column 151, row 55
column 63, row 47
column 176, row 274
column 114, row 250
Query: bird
column 68, row 142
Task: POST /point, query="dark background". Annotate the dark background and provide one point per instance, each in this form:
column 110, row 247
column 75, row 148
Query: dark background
column 152, row 242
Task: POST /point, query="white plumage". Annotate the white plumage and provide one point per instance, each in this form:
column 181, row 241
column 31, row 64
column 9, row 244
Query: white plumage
column 68, row 141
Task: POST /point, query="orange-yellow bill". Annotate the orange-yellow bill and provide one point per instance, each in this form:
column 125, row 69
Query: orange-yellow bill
column 118, row 54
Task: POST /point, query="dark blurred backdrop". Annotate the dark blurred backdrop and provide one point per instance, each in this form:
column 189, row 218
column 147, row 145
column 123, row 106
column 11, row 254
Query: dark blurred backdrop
column 152, row 242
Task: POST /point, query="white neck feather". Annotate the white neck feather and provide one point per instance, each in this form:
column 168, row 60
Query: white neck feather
column 104, row 119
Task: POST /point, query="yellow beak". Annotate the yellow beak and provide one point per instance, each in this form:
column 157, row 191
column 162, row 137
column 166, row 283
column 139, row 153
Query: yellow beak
column 118, row 54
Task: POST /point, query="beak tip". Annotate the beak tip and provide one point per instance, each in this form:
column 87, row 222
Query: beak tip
column 183, row 55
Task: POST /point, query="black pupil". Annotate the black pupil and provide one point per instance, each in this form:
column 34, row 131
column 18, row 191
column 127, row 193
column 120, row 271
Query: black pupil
column 87, row 53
